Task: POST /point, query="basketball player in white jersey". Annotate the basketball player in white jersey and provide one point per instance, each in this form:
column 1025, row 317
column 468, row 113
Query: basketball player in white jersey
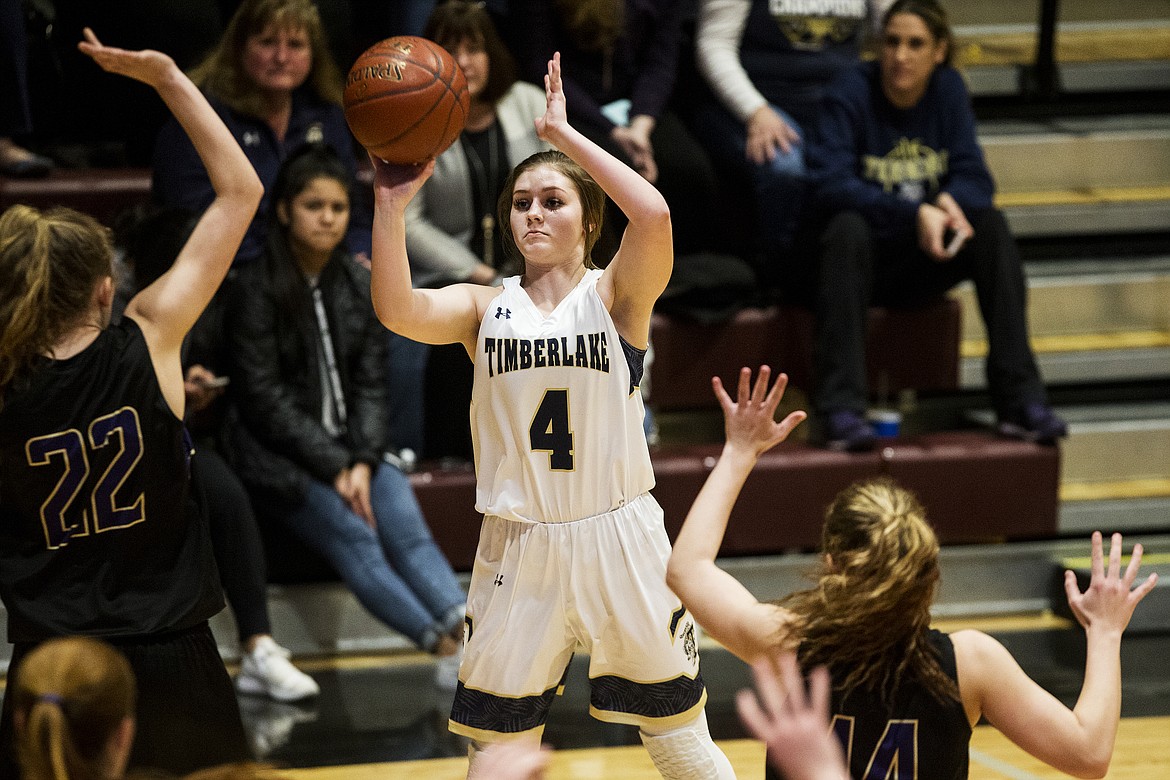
column 572, row 550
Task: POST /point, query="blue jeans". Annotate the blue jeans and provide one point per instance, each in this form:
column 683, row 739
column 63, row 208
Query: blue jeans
column 406, row 380
column 777, row 185
column 398, row 573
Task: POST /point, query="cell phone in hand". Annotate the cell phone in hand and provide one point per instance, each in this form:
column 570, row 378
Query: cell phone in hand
column 956, row 242
column 219, row 381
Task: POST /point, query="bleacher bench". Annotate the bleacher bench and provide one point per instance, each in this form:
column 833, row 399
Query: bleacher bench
column 103, row 193
column 905, row 349
column 976, row 487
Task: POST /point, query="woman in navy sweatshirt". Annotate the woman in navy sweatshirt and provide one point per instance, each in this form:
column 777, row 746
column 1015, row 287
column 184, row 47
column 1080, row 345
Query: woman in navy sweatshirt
column 903, row 199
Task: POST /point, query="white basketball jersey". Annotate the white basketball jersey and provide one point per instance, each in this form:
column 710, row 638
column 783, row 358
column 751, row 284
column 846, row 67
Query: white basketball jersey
column 556, row 420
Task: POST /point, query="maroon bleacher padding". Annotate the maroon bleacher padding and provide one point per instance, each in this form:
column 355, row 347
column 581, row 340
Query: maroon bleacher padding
column 782, row 504
column 447, row 498
column 915, row 348
column 906, row 348
column 687, row 355
column 978, row 487
column 103, row 193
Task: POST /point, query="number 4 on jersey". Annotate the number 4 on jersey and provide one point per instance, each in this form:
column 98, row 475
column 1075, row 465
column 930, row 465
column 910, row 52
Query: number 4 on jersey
column 550, row 430
column 895, row 757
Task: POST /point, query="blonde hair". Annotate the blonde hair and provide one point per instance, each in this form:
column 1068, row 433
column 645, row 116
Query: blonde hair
column 70, row 696
column 868, row 615
column 50, row 263
column 222, row 75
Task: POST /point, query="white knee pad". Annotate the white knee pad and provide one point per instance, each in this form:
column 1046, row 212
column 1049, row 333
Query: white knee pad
column 687, row 753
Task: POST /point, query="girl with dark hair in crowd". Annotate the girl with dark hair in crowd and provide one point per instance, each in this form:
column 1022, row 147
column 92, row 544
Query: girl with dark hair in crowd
column 274, row 82
column 308, row 362
column 902, row 210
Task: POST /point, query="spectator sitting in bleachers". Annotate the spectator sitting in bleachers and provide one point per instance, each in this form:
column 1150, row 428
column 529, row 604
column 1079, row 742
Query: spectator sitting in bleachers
column 235, row 538
column 767, row 68
column 451, row 231
column 276, row 86
column 274, row 83
column 621, row 57
column 308, row 361
column 15, row 110
column 903, row 211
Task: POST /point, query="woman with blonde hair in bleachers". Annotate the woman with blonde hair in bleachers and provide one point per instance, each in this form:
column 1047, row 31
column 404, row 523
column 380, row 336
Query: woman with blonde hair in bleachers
column 904, row 695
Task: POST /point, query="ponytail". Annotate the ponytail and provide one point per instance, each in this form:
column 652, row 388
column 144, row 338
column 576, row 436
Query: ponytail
column 46, row 751
column 50, row 263
column 70, row 697
column 868, row 615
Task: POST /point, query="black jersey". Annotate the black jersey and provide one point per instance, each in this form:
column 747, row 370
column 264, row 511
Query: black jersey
column 99, row 534
column 917, row 736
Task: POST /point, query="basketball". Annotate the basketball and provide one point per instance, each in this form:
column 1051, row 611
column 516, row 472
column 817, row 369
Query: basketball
column 406, row 99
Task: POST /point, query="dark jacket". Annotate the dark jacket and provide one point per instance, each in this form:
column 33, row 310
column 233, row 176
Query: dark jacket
column 278, row 442
column 883, row 162
column 179, row 178
column 641, row 67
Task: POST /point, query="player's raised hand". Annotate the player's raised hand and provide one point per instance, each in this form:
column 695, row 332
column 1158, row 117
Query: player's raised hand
column 555, row 112
column 1108, row 603
column 750, row 420
column 148, row 66
column 398, row 182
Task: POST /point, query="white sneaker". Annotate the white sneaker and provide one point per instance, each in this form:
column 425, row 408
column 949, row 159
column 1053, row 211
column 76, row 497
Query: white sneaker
column 447, row 670
column 266, row 671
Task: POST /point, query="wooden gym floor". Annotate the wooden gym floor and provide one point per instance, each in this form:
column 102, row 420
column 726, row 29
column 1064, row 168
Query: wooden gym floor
column 380, row 717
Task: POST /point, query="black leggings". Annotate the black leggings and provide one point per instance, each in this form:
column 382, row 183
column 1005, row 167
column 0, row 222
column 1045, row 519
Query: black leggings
column 235, row 540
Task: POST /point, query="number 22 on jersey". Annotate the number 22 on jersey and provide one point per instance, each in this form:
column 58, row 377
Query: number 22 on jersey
column 68, row 451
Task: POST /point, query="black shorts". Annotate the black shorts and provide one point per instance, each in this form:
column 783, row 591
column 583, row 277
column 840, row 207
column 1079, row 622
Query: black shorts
column 188, row 717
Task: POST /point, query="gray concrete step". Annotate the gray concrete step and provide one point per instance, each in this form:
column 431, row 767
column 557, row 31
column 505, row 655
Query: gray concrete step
column 1115, row 467
column 1091, row 321
column 1081, row 176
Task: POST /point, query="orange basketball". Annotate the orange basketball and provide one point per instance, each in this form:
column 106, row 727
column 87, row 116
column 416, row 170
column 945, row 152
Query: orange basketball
column 406, row 99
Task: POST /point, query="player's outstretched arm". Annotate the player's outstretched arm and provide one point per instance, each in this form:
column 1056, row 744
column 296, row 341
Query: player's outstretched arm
column 168, row 308
column 721, row 605
column 1077, row 741
column 641, row 268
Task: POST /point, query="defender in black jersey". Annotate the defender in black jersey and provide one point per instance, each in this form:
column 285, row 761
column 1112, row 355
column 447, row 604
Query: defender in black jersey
column 98, row 533
column 904, row 696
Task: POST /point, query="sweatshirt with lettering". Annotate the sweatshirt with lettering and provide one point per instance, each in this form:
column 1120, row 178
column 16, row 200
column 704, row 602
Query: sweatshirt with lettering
column 883, row 162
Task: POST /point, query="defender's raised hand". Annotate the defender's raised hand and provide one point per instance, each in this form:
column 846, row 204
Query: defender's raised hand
column 749, row 421
column 148, row 66
column 1110, row 599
